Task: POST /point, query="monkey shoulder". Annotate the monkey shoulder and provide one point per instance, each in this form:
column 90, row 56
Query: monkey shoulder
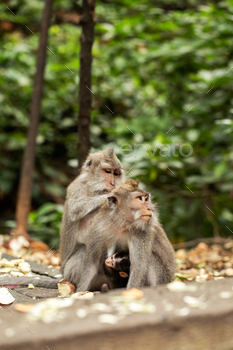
column 76, row 188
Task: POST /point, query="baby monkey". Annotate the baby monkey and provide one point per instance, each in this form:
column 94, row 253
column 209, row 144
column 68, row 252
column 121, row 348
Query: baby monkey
column 117, row 269
column 112, row 273
column 128, row 220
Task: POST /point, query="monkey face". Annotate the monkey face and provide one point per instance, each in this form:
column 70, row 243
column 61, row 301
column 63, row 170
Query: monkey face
column 132, row 207
column 119, row 262
column 140, row 205
column 111, row 175
column 103, row 171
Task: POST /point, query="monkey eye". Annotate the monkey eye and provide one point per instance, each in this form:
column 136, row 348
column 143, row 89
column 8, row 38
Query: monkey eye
column 146, row 198
column 116, row 174
column 140, row 198
column 108, row 171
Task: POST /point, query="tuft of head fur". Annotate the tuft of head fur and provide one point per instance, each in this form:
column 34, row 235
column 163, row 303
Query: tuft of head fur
column 109, row 152
column 106, row 156
column 129, row 185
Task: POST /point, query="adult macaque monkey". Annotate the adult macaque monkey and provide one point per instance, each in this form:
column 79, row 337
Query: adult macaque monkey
column 100, row 173
column 129, row 220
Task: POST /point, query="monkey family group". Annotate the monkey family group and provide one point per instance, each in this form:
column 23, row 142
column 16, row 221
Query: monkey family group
column 110, row 234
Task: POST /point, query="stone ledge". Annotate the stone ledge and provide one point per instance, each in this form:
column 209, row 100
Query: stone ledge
column 201, row 329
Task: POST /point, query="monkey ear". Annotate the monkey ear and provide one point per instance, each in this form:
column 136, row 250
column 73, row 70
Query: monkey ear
column 123, row 274
column 112, row 201
column 88, row 164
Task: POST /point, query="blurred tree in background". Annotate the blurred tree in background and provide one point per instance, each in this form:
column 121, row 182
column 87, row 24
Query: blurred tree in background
column 23, row 205
column 162, row 69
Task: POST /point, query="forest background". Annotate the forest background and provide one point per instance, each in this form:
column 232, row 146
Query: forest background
column 161, row 79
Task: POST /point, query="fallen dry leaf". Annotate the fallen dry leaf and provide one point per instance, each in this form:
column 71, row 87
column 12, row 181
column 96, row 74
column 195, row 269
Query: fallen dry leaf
column 132, row 293
column 39, row 246
column 23, row 307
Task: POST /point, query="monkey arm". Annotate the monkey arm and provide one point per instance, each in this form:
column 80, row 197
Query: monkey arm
column 73, row 267
column 140, row 252
column 75, row 210
column 80, row 207
column 96, row 251
column 89, row 272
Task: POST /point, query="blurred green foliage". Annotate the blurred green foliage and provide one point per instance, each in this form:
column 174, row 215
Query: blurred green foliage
column 158, row 66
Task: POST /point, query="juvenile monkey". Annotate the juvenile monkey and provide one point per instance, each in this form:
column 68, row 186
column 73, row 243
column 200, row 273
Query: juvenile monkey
column 129, row 220
column 113, row 272
column 120, row 263
column 117, row 269
column 101, row 172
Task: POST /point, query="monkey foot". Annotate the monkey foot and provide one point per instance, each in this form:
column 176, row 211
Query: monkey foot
column 104, row 288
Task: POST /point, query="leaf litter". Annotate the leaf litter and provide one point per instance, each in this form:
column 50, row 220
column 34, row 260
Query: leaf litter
column 200, row 264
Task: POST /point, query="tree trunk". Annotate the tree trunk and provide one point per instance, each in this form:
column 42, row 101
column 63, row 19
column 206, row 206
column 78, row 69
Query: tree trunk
column 25, row 184
column 84, row 115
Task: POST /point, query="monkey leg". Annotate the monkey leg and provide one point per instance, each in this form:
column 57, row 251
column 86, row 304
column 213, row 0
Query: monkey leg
column 155, row 271
column 140, row 253
column 88, row 275
column 73, row 267
column 158, row 272
column 91, row 268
